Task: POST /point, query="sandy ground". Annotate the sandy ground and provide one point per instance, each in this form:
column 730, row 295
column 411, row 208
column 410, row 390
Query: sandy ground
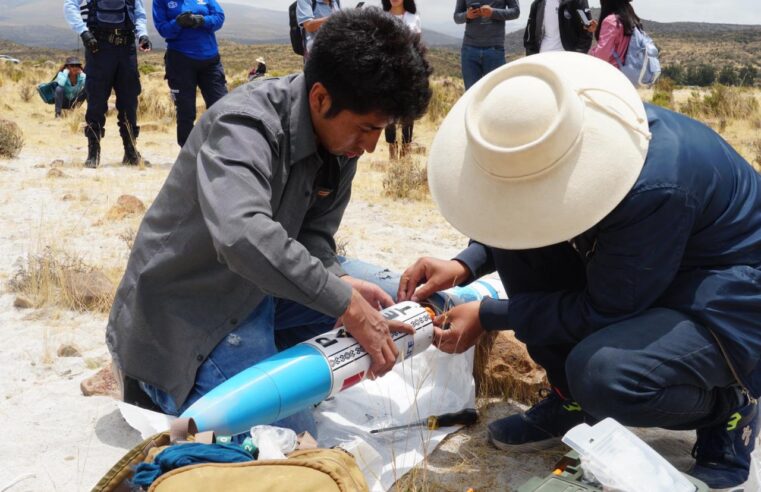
column 57, row 439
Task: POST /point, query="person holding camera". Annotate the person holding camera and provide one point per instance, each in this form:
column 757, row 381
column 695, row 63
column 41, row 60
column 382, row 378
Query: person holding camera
column 192, row 57
column 109, row 34
column 555, row 25
column 70, row 86
column 483, row 47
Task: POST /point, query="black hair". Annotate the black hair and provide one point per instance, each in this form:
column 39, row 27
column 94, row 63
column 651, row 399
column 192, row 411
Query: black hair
column 625, row 13
column 370, row 62
column 409, row 6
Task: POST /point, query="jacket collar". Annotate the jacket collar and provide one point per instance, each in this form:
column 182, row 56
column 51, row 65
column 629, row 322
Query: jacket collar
column 303, row 140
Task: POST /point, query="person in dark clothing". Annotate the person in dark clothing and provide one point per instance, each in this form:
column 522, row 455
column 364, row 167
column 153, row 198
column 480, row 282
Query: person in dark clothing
column 483, row 46
column 628, row 238
column 70, row 86
column 260, row 70
column 192, row 57
column 565, row 29
column 108, row 35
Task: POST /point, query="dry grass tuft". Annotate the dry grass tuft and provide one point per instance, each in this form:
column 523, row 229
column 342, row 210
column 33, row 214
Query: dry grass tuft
column 405, row 178
column 11, row 139
column 722, row 102
column 663, row 93
column 27, row 92
column 446, row 92
column 58, row 278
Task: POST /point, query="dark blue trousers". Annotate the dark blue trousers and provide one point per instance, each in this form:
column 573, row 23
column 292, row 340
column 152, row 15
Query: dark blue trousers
column 185, row 75
column 112, row 67
column 656, row 369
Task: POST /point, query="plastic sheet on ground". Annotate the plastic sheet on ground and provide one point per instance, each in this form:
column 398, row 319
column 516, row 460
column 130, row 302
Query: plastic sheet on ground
column 430, row 383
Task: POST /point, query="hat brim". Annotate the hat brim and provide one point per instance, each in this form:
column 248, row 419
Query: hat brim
column 553, row 206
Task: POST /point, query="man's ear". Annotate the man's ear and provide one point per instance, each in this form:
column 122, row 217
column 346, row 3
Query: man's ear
column 319, row 99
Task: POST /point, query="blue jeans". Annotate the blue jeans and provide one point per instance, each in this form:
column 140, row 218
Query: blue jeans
column 477, row 62
column 274, row 325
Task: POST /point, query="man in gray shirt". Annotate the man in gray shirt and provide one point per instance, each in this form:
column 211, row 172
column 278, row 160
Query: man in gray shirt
column 483, row 47
column 236, row 259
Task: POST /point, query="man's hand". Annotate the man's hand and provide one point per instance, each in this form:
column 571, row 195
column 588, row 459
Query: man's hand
column 88, row 39
column 473, row 13
column 374, row 295
column 433, row 274
column 373, row 332
column 144, row 43
column 458, row 329
column 486, row 11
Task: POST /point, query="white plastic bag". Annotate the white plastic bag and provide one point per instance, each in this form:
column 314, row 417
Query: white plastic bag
column 619, row 460
column 273, row 442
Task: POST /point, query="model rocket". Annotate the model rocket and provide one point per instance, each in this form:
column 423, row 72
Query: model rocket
column 309, row 372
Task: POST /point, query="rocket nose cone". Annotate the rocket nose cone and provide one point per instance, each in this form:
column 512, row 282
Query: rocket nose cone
column 275, row 388
column 247, row 399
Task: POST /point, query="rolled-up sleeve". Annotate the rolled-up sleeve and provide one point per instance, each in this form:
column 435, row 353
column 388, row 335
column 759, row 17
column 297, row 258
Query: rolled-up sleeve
column 637, row 255
column 234, row 195
column 304, row 11
column 73, row 16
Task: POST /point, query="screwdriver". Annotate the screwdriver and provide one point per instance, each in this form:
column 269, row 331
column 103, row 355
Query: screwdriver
column 463, row 417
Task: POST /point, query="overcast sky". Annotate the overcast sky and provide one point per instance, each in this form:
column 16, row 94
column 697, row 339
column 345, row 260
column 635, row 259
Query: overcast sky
column 437, row 14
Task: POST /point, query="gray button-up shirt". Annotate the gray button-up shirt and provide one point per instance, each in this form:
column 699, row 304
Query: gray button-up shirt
column 239, row 217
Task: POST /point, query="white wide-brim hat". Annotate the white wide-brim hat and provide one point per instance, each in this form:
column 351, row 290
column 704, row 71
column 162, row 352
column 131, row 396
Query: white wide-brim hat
column 538, row 151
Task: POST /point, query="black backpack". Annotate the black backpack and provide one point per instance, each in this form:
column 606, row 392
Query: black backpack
column 297, row 35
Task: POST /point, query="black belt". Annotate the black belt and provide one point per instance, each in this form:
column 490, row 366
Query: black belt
column 117, row 37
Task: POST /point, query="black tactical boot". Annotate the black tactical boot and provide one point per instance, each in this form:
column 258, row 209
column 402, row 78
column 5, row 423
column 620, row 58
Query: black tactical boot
column 131, row 156
column 93, row 152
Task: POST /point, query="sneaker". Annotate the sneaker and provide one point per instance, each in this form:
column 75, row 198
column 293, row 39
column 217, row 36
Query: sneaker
column 722, row 452
column 541, row 426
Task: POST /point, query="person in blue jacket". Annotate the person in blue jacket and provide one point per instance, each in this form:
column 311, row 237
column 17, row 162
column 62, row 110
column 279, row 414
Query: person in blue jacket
column 192, row 57
column 70, row 86
column 628, row 238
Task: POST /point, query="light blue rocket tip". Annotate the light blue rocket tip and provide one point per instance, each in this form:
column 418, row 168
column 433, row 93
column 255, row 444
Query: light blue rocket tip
column 277, row 387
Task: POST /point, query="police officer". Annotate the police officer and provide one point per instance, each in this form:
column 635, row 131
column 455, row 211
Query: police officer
column 192, row 55
column 108, row 34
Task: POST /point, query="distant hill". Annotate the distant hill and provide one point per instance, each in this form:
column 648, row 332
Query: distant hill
column 689, row 42
column 41, row 23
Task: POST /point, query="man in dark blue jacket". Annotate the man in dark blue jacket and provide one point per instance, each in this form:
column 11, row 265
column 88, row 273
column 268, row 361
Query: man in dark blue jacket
column 192, row 56
column 628, row 238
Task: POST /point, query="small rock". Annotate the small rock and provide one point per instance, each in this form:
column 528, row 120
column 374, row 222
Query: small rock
column 57, row 163
column 56, row 173
column 102, row 383
column 126, row 205
column 22, row 302
column 89, row 290
column 68, row 350
column 67, row 197
column 40, row 166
